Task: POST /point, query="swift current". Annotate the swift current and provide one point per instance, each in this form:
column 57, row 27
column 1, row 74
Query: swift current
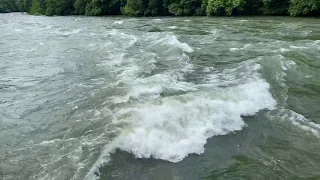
column 159, row 98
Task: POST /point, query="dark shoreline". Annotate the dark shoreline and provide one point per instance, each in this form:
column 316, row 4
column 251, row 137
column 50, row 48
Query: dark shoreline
column 170, row 16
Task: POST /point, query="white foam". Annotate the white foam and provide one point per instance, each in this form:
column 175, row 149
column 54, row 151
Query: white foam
column 152, row 86
column 103, row 159
column 49, row 142
column 214, row 31
column 290, row 64
column 243, row 48
column 172, row 41
column 173, row 127
column 118, row 22
column 207, row 69
column 299, row 121
column 282, row 50
column 67, row 33
column 286, row 64
column 170, row 128
column 172, row 27
column 298, row 47
column 18, row 30
column 157, row 83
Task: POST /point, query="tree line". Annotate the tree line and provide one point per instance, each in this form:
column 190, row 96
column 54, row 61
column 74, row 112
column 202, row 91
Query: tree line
column 163, row 7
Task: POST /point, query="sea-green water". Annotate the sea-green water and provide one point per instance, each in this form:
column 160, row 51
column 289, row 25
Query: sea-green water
column 159, row 98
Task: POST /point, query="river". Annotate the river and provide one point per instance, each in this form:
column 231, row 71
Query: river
column 159, row 98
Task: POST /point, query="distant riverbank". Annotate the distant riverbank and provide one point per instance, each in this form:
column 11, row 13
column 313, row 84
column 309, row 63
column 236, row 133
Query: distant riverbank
column 163, row 7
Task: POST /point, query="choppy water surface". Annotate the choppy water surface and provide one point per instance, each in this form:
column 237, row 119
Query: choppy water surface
column 168, row 98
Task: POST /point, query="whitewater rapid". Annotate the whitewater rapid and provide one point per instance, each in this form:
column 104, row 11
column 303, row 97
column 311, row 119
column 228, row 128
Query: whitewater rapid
column 78, row 94
column 164, row 116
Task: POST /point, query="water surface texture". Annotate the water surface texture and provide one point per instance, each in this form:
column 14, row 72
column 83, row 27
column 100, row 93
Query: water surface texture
column 159, row 98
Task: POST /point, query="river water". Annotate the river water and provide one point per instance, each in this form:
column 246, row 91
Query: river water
column 159, row 98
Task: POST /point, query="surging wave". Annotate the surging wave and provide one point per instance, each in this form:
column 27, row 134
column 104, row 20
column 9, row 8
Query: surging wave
column 168, row 117
column 170, row 128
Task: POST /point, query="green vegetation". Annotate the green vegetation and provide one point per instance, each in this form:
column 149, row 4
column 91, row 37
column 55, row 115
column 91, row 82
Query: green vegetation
column 225, row 7
column 163, row 7
column 304, row 7
column 8, row 6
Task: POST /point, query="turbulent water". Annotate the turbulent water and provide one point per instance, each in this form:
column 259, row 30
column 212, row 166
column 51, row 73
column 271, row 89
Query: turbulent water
column 159, row 98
